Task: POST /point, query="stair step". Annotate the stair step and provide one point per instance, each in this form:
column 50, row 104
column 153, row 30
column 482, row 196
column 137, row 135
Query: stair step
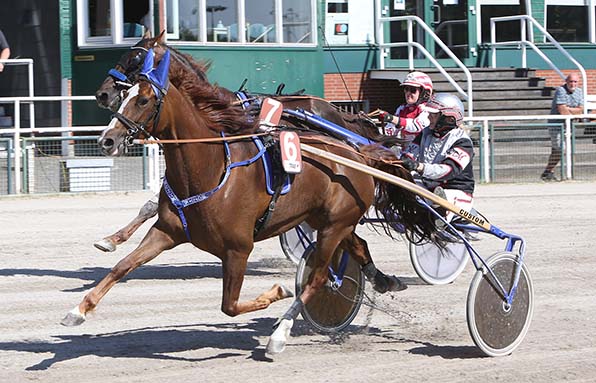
column 459, row 75
column 480, row 104
column 496, row 91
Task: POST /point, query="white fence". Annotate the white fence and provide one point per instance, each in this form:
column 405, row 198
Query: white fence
column 509, row 149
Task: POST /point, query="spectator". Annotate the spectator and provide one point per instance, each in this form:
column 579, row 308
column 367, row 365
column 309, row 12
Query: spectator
column 4, row 50
column 410, row 118
column 568, row 99
column 442, row 154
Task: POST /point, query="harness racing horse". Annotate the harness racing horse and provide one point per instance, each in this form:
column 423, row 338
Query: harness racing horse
column 109, row 96
column 211, row 201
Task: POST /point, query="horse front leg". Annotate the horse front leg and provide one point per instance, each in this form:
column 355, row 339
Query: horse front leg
column 381, row 282
column 154, row 243
column 109, row 243
column 234, row 268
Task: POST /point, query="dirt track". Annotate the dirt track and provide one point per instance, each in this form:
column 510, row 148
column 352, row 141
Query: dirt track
column 163, row 322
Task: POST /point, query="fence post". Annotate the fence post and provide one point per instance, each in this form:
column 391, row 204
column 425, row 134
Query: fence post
column 568, row 164
column 154, row 183
column 17, row 147
column 486, row 150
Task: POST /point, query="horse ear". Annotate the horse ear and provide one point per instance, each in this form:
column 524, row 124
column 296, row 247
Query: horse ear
column 147, row 34
column 161, row 38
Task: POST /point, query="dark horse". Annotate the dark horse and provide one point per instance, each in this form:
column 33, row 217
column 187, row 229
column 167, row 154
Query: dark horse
column 330, row 197
column 109, row 96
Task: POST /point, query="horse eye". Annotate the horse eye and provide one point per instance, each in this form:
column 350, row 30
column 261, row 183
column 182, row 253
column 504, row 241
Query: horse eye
column 136, row 60
column 142, row 101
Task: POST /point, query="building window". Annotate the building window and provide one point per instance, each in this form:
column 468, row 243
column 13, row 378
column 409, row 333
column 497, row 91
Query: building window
column 112, row 22
column 506, row 30
column 297, row 21
column 98, row 19
column 260, row 21
column 241, row 21
column 568, row 23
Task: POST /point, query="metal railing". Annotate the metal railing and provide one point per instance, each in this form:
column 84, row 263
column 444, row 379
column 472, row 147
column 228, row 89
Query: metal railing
column 30, row 84
column 505, row 144
column 411, row 44
column 487, row 127
column 18, row 130
column 524, row 41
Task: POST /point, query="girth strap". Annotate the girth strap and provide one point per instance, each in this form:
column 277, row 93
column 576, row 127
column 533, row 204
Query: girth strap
column 181, row 204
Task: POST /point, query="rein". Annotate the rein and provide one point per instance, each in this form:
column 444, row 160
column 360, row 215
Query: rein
column 245, row 136
column 197, row 140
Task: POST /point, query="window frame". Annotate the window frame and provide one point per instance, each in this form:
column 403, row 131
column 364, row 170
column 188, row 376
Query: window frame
column 591, row 8
column 242, row 26
column 116, row 38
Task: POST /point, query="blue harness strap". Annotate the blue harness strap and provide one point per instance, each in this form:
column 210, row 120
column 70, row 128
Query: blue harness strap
column 181, row 204
column 268, row 166
column 117, row 75
column 243, row 98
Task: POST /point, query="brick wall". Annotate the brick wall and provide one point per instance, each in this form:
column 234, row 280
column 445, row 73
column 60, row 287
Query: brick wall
column 553, row 79
column 383, row 94
column 387, row 95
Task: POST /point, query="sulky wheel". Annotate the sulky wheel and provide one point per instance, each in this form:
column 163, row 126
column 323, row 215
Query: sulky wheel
column 437, row 266
column 498, row 328
column 295, row 241
column 333, row 307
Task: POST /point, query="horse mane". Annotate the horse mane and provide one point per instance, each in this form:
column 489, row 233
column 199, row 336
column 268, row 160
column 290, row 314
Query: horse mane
column 189, row 77
column 212, row 104
column 361, row 125
column 198, row 67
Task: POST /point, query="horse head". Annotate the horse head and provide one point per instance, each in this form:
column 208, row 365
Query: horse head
column 125, row 74
column 139, row 112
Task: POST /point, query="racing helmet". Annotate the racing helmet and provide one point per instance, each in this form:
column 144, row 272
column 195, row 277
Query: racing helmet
column 451, row 109
column 420, row 80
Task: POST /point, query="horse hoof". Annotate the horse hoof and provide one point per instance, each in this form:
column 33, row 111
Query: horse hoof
column 285, row 292
column 73, row 318
column 277, row 340
column 384, row 283
column 395, row 284
column 105, row 245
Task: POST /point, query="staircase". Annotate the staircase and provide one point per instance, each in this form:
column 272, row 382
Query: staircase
column 496, row 92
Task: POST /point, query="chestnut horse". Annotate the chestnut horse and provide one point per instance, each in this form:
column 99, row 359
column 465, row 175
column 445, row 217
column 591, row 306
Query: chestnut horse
column 109, row 96
column 330, row 197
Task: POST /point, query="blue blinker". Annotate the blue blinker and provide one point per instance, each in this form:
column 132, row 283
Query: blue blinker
column 158, row 77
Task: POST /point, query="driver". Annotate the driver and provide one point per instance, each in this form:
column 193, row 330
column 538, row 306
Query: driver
column 410, row 118
column 442, row 153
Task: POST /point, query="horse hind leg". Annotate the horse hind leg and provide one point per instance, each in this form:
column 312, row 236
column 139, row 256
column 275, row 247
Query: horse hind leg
column 380, row 281
column 234, row 267
column 326, row 246
column 109, row 243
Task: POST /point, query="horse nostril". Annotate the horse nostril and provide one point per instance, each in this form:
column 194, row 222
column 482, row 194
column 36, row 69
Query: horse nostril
column 107, row 144
column 101, row 97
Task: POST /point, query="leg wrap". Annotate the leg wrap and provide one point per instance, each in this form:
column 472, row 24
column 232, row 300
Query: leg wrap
column 370, row 271
column 149, row 209
column 294, row 309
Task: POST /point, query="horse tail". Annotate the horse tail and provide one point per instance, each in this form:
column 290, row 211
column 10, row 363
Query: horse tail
column 399, row 206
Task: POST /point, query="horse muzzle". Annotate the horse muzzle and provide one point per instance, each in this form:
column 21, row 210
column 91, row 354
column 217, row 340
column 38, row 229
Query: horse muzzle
column 111, row 142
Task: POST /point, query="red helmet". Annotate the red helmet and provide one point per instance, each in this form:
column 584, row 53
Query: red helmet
column 418, row 79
